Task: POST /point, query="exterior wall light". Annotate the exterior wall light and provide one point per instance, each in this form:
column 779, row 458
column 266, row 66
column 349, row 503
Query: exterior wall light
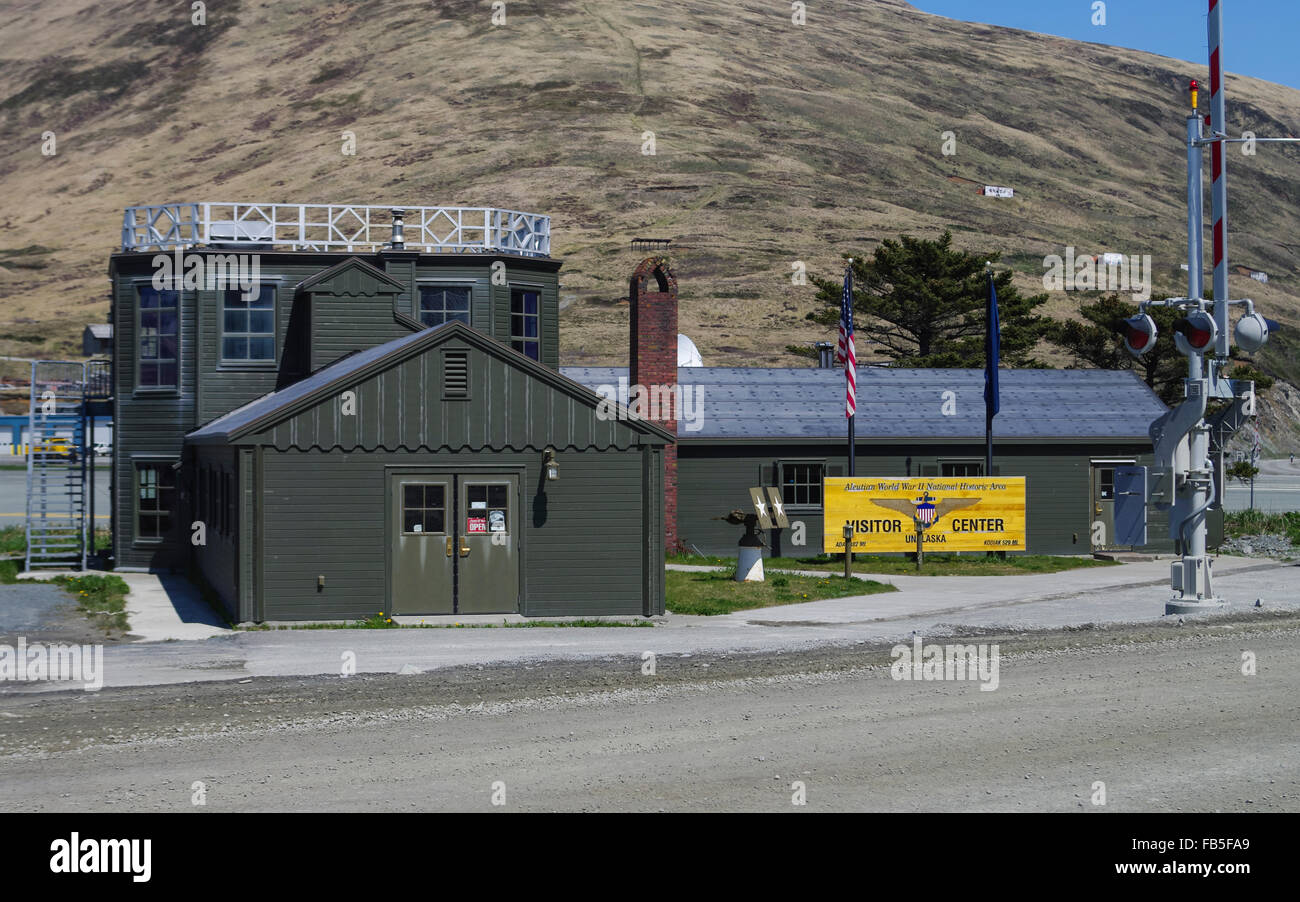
column 552, row 466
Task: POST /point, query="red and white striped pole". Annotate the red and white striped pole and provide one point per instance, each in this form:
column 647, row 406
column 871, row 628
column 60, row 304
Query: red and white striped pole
column 1219, row 184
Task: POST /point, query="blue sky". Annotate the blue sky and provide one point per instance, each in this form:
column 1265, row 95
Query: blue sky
column 1260, row 36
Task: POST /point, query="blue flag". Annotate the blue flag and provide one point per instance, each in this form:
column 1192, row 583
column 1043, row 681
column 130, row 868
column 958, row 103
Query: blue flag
column 992, row 349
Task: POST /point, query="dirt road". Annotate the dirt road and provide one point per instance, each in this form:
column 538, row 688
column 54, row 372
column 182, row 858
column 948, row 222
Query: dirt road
column 1163, row 715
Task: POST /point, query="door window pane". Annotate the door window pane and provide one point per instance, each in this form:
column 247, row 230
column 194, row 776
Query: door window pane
column 424, row 508
column 487, row 509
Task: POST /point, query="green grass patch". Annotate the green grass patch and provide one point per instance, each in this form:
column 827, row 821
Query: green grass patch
column 13, row 540
column 717, row 592
column 975, row 564
column 1258, row 523
column 103, row 597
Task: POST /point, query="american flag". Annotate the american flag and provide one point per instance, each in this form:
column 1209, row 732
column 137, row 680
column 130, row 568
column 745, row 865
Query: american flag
column 845, row 354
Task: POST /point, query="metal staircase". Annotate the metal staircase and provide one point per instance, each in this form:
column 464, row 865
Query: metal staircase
column 58, row 528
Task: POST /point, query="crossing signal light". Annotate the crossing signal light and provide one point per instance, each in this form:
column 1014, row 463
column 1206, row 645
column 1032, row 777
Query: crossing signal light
column 1252, row 332
column 1196, row 333
column 1139, row 334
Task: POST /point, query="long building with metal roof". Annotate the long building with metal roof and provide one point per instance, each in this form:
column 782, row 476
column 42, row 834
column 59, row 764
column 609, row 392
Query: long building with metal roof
column 1065, row 431
column 753, row 403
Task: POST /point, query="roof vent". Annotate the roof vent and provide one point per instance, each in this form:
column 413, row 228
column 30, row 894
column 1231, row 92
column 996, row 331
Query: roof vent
column 825, row 355
column 455, row 374
column 399, row 236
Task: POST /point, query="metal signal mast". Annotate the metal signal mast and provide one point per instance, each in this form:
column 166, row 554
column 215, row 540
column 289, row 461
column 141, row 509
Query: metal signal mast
column 1183, row 478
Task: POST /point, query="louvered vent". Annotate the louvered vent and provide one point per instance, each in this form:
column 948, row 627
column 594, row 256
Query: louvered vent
column 455, row 374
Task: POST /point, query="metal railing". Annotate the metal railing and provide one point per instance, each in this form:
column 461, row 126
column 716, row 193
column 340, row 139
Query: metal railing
column 99, row 379
column 342, row 227
column 58, row 530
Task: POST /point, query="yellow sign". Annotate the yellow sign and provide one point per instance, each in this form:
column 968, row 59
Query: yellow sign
column 962, row 513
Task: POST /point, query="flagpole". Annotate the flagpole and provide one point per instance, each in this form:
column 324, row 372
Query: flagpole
column 988, row 361
column 853, row 416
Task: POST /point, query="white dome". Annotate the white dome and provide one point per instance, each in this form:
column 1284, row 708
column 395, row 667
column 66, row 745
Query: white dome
column 687, row 353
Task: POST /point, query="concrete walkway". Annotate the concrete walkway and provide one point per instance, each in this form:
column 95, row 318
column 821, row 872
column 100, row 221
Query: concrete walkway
column 164, row 608
column 159, row 608
column 926, row 606
column 1100, row 594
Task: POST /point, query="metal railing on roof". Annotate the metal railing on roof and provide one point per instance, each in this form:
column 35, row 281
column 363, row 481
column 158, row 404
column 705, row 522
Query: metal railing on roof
column 335, row 227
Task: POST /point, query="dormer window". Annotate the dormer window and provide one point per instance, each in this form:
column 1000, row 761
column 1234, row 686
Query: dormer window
column 248, row 325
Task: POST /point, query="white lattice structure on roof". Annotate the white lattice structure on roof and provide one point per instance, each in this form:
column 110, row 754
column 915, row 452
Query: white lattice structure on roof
column 335, row 227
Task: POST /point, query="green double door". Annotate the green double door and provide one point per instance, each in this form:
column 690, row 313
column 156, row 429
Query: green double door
column 454, row 543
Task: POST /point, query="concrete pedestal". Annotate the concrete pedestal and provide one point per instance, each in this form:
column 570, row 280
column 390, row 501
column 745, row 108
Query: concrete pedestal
column 749, row 565
column 1194, row 605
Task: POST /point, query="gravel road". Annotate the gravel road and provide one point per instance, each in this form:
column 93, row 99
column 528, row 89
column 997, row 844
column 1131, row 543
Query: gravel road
column 1161, row 713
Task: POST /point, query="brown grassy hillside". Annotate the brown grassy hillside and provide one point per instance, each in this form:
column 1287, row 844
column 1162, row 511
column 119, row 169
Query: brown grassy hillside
column 775, row 143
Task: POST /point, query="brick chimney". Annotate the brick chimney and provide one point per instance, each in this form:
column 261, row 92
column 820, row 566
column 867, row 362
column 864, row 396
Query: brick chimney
column 652, row 360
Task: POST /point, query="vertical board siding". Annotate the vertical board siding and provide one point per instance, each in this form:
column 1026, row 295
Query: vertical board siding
column 403, row 407
column 325, row 515
column 218, row 561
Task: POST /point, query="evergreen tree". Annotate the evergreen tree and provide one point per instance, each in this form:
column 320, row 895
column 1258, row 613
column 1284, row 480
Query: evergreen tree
column 924, row 303
column 1098, row 341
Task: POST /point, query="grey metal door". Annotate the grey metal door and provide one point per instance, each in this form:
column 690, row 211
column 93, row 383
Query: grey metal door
column 487, row 545
column 423, row 544
column 1103, row 506
column 1130, row 506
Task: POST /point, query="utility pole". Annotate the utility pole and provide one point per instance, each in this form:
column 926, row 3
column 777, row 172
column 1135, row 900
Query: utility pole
column 1183, row 479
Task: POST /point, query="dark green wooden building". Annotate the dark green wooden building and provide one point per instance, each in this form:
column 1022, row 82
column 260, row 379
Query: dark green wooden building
column 413, row 478
column 370, row 426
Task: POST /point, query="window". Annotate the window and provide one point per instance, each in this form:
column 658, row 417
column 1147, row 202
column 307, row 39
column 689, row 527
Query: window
column 158, row 336
column 950, row 468
column 524, row 323
column 801, row 483
column 155, row 489
column 424, row 508
column 1106, row 484
column 441, row 304
column 488, row 509
column 248, row 326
